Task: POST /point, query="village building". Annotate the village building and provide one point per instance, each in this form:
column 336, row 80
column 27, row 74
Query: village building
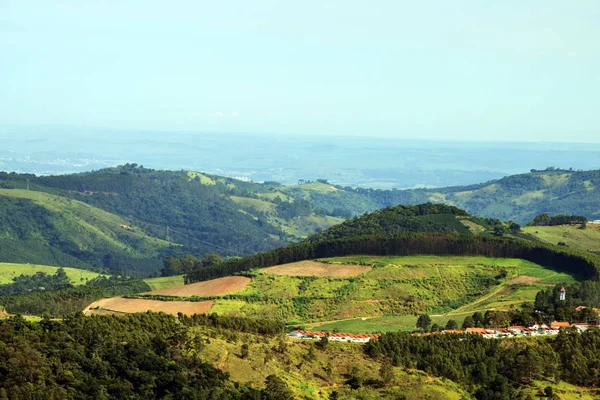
column 334, row 337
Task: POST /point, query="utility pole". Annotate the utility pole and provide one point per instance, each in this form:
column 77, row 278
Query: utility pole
column 28, row 184
column 168, row 239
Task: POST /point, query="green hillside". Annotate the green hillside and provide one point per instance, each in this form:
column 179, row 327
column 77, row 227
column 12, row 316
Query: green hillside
column 42, row 228
column 571, row 235
column 395, row 285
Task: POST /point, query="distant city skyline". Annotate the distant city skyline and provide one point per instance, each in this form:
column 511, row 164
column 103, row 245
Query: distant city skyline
column 436, row 70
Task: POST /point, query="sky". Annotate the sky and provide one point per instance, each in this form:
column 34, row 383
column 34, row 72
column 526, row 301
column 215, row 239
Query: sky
column 453, row 70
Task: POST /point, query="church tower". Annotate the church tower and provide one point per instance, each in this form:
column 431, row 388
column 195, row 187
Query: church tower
column 563, row 293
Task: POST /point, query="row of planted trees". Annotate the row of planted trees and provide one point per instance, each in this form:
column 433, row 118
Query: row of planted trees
column 564, row 259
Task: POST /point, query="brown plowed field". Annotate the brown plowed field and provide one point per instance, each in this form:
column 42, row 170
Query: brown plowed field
column 215, row 287
column 313, row 268
column 121, row 305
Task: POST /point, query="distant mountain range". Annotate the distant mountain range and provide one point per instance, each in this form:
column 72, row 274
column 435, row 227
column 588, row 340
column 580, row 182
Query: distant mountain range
column 128, row 218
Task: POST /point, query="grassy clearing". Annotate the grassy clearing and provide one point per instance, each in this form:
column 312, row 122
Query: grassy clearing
column 315, row 374
column 164, row 282
column 205, row 180
column 8, row 271
column 584, row 239
column 254, row 204
column 388, row 323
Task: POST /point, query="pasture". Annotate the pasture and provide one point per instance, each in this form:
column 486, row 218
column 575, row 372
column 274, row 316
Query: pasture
column 165, row 282
column 8, row 271
column 571, row 235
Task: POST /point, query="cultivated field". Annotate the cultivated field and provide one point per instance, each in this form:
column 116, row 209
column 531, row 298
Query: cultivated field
column 165, row 282
column 392, row 288
column 215, row 287
column 313, row 268
column 8, row 271
column 122, row 305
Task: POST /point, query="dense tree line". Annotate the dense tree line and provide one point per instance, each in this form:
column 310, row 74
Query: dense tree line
column 140, row 356
column 586, row 293
column 38, row 282
column 426, row 217
column 544, row 219
column 269, row 327
column 493, row 369
column 565, row 259
column 186, row 264
column 66, row 301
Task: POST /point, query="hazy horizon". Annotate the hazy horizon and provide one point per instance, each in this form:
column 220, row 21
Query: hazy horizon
column 503, row 71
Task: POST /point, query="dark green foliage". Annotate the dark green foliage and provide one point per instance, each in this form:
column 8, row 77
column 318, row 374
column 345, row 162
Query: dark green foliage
column 322, row 343
column 277, row 389
column 582, row 263
column 239, row 324
column 70, row 299
column 244, row 353
column 544, row 219
column 400, row 219
column 489, row 369
column 451, row 325
column 39, row 282
column 585, row 294
column 424, row 322
column 134, row 357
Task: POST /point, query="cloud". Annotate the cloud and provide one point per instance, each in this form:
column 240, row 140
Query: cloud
column 225, row 114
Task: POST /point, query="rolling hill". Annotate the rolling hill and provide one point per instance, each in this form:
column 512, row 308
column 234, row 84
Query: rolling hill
column 130, row 217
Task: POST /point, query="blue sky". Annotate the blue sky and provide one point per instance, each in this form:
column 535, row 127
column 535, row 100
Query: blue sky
column 458, row 70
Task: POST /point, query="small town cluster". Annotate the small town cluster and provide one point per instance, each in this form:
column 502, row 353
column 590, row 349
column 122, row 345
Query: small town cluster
column 334, row 336
column 488, row 333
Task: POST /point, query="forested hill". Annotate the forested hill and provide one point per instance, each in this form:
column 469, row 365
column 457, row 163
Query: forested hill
column 429, row 217
column 517, row 197
column 127, row 219
column 132, row 217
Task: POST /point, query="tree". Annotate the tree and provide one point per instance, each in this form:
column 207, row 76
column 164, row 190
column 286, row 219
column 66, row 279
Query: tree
column 245, row 351
column 424, row 322
column 451, row 325
column 468, row 322
column 514, row 227
column 323, row 342
column 386, row 371
column 277, row 389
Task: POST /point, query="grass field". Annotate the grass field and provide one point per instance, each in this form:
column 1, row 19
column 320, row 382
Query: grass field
column 164, row 282
column 584, row 239
column 8, row 271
